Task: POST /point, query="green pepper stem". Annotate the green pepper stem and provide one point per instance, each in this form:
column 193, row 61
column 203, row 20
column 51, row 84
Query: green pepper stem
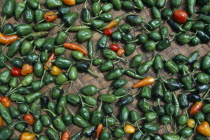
column 50, row 112
column 70, row 110
column 205, row 95
column 2, row 23
column 12, row 125
column 91, row 73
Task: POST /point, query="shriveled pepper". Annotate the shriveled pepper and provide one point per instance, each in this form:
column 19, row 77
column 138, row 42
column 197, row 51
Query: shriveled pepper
column 27, row 136
column 26, row 69
column 6, row 101
column 204, row 128
column 144, row 82
column 75, row 46
column 65, row 135
column 7, row 39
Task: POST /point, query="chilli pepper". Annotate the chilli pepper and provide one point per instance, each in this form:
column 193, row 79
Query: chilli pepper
column 129, row 129
column 75, row 46
column 180, row 16
column 191, row 123
column 27, row 136
column 29, row 118
column 6, row 101
column 144, row 82
column 113, row 23
column 65, row 135
column 108, row 31
column 26, row 69
column 50, row 16
column 69, row 2
column 7, row 39
column 48, row 63
column 1, row 121
column 120, row 52
column 204, row 129
column 99, row 129
column 8, row 10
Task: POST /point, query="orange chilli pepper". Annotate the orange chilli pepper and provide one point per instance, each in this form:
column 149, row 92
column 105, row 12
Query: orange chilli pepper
column 129, row 129
column 29, row 118
column 69, row 2
column 6, row 101
column 1, row 121
column 198, row 105
column 27, row 136
column 99, row 130
column 7, row 39
column 120, row 52
column 50, row 16
column 144, row 82
column 49, row 63
column 204, row 129
column 65, row 136
column 75, row 46
column 195, row 107
column 26, row 69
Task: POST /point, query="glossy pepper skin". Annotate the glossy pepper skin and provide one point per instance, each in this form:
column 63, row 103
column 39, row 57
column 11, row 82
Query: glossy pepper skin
column 204, row 129
column 27, row 136
column 180, row 16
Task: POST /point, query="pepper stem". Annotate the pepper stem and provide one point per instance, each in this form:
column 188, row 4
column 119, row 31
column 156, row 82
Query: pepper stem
column 205, row 95
column 91, row 73
column 70, row 110
column 12, row 125
column 50, row 112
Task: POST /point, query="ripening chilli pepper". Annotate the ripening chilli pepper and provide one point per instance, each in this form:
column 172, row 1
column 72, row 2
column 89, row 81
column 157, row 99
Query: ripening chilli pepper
column 49, row 64
column 26, row 69
column 29, row 118
column 50, row 16
column 75, row 46
column 7, row 39
column 195, row 107
column 69, row 2
column 1, row 121
column 204, row 129
column 99, row 130
column 120, row 52
column 6, row 101
column 144, row 82
column 27, row 136
column 129, row 129
column 65, row 135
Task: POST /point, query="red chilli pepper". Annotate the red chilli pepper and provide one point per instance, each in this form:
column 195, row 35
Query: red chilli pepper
column 180, row 16
column 114, row 47
column 108, row 31
column 15, row 72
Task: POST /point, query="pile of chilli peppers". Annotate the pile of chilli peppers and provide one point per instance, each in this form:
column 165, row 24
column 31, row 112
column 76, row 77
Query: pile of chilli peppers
column 171, row 104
